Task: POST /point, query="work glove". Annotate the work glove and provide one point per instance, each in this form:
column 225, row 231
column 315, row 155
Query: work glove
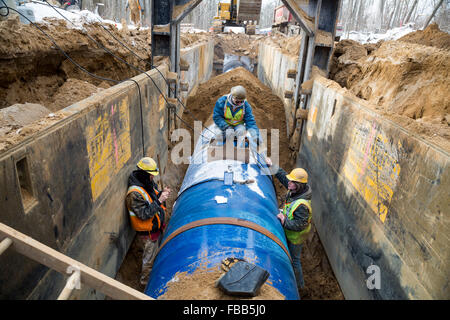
column 229, row 133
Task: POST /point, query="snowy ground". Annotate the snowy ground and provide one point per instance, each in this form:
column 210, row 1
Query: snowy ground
column 393, row 34
column 78, row 18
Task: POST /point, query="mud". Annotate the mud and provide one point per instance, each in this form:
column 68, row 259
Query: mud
column 405, row 81
column 267, row 108
column 201, row 285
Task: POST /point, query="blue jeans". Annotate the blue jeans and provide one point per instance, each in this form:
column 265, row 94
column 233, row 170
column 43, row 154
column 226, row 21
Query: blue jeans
column 296, row 250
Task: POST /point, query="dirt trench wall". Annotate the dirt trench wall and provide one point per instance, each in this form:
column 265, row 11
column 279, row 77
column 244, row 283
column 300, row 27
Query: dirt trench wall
column 64, row 184
column 380, row 198
column 273, row 66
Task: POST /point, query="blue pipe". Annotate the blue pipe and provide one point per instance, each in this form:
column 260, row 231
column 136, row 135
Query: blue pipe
column 210, row 244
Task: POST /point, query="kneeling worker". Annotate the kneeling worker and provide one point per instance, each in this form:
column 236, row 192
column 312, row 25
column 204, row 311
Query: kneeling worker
column 233, row 115
column 145, row 205
column 296, row 214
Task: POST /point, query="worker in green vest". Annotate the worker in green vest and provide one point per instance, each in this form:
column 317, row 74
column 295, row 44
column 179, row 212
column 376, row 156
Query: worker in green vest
column 233, row 116
column 295, row 217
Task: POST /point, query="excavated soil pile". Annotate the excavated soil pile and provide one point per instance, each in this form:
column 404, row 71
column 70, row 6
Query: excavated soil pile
column 236, row 44
column 33, row 70
column 200, row 285
column 289, row 45
column 189, row 39
column 406, row 82
column 266, row 106
column 432, row 36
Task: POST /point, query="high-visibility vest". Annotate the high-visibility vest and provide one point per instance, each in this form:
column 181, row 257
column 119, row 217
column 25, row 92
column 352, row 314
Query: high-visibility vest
column 297, row 237
column 136, row 223
column 235, row 120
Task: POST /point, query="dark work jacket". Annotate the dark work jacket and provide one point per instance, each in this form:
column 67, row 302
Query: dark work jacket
column 140, row 207
column 301, row 214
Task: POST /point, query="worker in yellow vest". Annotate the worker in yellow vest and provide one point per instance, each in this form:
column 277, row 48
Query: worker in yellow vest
column 144, row 203
column 233, row 116
column 295, row 217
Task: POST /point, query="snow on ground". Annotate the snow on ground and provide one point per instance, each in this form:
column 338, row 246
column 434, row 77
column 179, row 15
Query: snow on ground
column 235, row 30
column 78, row 18
column 191, row 30
column 393, row 34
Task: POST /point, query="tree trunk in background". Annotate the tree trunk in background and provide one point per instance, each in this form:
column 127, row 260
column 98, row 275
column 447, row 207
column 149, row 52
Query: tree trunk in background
column 355, row 13
column 408, row 17
column 434, row 12
column 360, row 15
column 394, row 12
column 381, row 13
column 115, row 10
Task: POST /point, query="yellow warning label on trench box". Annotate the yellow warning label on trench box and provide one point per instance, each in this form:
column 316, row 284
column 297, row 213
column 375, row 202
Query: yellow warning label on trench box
column 108, row 145
column 372, row 167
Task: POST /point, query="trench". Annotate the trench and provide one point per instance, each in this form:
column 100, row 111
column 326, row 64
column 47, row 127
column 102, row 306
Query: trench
column 34, row 72
column 320, row 281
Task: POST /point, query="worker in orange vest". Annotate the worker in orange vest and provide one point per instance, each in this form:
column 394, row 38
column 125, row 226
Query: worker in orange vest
column 147, row 213
column 135, row 11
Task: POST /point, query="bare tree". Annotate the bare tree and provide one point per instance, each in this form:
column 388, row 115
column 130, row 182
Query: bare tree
column 414, row 6
column 434, row 12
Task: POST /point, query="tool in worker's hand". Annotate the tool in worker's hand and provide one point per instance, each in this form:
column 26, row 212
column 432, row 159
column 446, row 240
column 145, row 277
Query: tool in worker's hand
column 161, row 178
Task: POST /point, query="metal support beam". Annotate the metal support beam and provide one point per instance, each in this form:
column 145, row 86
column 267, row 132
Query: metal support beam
column 300, row 67
column 300, row 15
column 61, row 263
column 187, row 8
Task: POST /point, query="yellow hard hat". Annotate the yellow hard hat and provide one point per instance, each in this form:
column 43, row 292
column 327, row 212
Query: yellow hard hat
column 149, row 165
column 298, row 175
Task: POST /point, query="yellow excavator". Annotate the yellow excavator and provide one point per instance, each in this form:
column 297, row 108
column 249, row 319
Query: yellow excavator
column 243, row 14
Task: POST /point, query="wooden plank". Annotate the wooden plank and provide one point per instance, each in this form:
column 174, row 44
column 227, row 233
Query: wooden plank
column 172, row 77
column 57, row 261
column 70, row 285
column 5, row 244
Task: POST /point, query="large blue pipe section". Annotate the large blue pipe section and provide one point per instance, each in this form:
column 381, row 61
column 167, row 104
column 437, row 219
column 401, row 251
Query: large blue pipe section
column 251, row 197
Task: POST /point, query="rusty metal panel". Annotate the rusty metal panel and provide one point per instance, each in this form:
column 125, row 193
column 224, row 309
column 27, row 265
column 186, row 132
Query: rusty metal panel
column 381, row 198
column 78, row 170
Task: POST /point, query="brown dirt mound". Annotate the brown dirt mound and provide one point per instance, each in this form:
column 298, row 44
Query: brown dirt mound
column 33, row 70
column 200, row 285
column 432, row 36
column 71, row 91
column 406, row 82
column 344, row 64
column 288, row 45
column 237, row 44
column 266, row 106
column 189, row 39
